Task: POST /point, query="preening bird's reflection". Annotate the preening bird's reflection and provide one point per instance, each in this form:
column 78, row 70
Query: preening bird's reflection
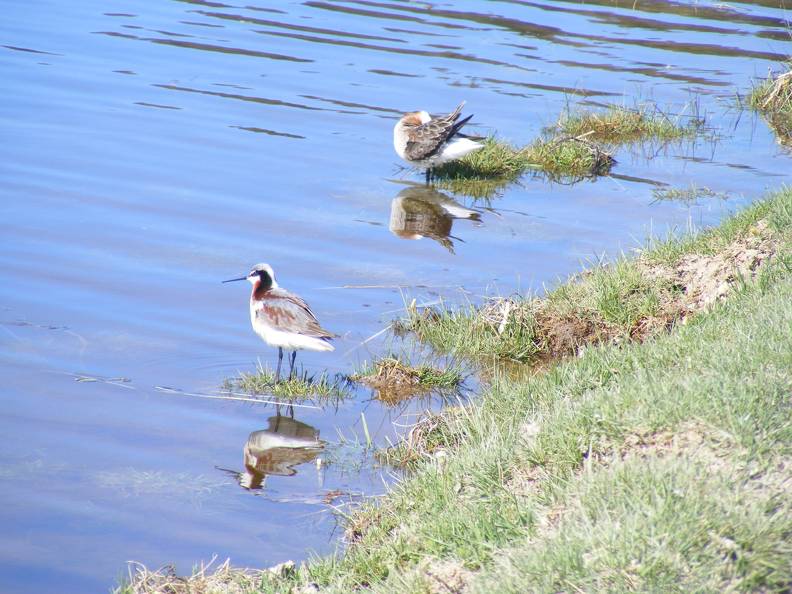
column 422, row 211
column 280, row 447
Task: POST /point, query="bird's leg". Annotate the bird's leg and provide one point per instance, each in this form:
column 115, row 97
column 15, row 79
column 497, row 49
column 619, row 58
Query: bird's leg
column 280, row 360
column 292, row 357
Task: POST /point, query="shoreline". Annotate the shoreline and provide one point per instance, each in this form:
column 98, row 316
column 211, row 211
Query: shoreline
column 636, row 465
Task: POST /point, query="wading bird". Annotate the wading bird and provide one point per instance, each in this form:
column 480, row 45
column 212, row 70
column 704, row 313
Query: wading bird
column 426, row 142
column 282, row 319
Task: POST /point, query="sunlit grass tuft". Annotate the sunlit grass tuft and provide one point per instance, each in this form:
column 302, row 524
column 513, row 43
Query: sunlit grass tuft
column 773, row 99
column 485, row 172
column 566, row 157
column 396, row 381
column 302, row 386
column 574, row 149
column 619, row 125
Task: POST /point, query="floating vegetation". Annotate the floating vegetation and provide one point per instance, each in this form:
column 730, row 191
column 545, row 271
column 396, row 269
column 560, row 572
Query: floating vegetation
column 620, row 125
column 773, row 99
column 395, row 381
column 566, row 158
column 571, row 151
column 485, row 172
column 687, row 195
column 302, row 386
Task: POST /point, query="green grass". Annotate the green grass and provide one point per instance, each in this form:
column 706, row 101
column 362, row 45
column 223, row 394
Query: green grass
column 620, row 125
column 773, row 99
column 573, row 150
column 320, row 388
column 425, row 376
column 485, row 172
column 776, row 212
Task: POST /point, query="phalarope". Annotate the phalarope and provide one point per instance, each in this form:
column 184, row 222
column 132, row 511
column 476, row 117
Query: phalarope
column 282, row 319
column 426, row 142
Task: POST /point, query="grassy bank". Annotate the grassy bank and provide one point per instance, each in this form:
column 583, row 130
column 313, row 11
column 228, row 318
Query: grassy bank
column 632, row 298
column 661, row 464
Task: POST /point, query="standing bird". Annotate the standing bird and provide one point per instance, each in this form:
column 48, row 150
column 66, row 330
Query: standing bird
column 426, row 142
column 282, row 319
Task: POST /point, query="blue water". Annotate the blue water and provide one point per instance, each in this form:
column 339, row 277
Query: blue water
column 153, row 149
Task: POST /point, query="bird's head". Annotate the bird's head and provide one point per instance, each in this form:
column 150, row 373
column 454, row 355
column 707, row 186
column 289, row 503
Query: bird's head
column 261, row 275
column 415, row 118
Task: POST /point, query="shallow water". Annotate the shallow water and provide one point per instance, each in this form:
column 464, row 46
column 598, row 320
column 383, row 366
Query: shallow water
column 153, row 149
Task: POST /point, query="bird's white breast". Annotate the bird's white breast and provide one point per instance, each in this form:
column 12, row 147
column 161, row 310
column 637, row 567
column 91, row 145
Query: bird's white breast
column 284, row 338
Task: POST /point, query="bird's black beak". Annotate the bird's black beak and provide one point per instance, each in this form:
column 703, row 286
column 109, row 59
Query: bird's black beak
column 231, row 280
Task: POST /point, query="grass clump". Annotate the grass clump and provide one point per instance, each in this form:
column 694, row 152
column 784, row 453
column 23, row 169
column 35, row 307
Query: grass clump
column 430, row 437
column 301, row 386
column 205, row 579
column 498, row 159
column 773, row 99
column 484, row 172
column 568, row 157
column 572, row 151
column 395, row 381
column 619, row 125
column 608, row 303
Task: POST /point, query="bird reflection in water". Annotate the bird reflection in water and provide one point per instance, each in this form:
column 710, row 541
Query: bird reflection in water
column 280, row 447
column 421, row 211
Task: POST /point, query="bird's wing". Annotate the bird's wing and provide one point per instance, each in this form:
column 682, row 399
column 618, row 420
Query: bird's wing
column 287, row 312
column 427, row 139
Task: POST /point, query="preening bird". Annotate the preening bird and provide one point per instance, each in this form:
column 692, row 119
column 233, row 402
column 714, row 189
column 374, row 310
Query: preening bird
column 426, row 142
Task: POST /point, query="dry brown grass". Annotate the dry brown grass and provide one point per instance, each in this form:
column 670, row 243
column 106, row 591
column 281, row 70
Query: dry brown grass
column 430, row 437
column 205, row 580
column 773, row 98
column 395, row 381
